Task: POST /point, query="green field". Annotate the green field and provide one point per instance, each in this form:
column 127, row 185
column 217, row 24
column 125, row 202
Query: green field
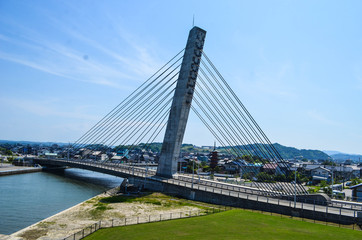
column 234, row 224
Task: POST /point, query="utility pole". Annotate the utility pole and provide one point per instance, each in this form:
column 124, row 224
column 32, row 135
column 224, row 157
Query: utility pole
column 193, row 171
column 198, row 171
column 295, row 187
column 146, row 172
column 332, row 181
column 68, row 151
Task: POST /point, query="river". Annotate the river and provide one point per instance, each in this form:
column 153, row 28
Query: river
column 28, row 198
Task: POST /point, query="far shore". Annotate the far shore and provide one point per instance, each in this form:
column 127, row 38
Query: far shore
column 9, row 169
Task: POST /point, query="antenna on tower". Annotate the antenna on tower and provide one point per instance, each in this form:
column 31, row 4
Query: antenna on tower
column 193, row 20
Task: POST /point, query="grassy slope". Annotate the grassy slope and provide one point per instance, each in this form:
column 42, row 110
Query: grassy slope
column 235, row 224
column 161, row 200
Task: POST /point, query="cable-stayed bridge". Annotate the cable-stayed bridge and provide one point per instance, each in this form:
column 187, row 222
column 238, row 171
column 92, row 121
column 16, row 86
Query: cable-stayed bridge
column 161, row 105
column 188, row 81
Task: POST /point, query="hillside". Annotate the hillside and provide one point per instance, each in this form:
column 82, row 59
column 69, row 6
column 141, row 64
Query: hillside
column 345, row 156
column 291, row 153
column 285, row 152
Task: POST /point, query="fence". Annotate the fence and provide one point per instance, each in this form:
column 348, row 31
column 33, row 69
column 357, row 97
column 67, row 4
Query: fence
column 141, row 219
column 353, row 226
column 186, row 214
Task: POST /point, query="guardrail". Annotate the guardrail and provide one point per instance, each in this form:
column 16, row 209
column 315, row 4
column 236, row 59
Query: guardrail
column 216, row 187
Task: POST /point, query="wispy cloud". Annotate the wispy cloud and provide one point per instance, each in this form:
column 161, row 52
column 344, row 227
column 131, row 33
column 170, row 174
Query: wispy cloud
column 271, row 81
column 32, row 49
column 319, row 117
column 47, row 108
column 62, row 61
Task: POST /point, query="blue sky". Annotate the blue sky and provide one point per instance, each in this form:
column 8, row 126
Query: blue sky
column 296, row 65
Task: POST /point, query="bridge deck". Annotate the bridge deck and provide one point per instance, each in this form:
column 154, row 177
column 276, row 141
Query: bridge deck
column 225, row 189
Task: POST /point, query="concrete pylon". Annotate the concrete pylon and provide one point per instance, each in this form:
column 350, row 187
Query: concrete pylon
column 181, row 103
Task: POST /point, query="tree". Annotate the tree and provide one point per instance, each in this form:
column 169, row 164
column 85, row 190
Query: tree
column 329, row 162
column 10, row 159
column 264, row 177
column 327, row 190
column 280, row 178
column 356, row 181
column 314, row 189
column 323, row 184
column 192, row 165
column 248, row 175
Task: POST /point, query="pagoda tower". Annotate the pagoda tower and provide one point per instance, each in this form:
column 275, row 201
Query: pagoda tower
column 214, row 159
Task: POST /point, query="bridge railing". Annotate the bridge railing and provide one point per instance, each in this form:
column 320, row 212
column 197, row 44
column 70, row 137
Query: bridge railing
column 303, row 203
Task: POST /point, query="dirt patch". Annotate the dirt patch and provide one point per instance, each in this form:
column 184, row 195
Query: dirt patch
column 34, row 234
column 105, row 207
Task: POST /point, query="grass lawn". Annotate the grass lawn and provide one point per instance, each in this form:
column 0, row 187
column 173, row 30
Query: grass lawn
column 234, row 224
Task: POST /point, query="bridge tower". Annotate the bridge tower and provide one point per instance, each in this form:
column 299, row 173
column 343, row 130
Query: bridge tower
column 181, row 103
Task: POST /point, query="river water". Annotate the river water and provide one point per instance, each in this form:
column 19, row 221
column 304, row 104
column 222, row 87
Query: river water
column 28, row 198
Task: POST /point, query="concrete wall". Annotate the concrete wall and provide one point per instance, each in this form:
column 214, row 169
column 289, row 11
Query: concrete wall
column 214, row 198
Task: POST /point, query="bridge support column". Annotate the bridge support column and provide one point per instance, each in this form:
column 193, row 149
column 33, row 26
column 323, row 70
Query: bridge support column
column 181, row 103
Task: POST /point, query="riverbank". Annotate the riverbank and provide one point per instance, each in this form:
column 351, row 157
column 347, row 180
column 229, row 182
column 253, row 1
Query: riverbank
column 8, row 169
column 103, row 207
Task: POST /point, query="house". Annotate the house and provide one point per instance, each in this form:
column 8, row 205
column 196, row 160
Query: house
column 357, row 192
column 356, row 171
column 234, row 166
column 251, row 168
column 231, row 167
column 146, row 158
column 116, row 158
column 181, row 165
column 51, row 155
column 202, row 158
column 272, row 168
column 346, row 172
column 309, row 167
column 320, row 174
